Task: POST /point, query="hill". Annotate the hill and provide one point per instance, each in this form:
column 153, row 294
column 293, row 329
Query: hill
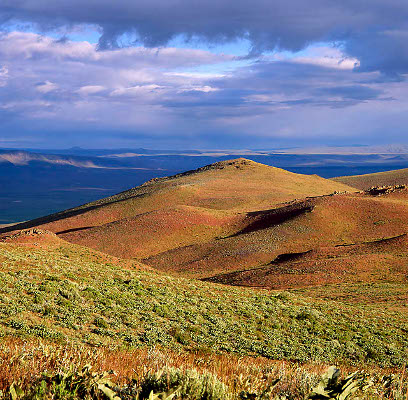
column 69, row 289
column 243, row 223
column 381, row 260
column 182, row 210
column 71, row 294
column 327, row 222
column 364, row 182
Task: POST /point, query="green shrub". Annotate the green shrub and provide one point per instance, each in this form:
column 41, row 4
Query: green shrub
column 187, row 384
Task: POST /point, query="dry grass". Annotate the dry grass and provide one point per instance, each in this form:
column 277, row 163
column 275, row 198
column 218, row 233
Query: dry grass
column 23, row 363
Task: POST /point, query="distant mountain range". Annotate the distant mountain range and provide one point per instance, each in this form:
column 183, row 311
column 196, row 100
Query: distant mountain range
column 311, row 150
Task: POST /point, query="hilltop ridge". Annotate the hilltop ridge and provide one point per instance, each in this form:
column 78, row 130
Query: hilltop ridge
column 195, row 208
column 238, row 163
column 221, row 185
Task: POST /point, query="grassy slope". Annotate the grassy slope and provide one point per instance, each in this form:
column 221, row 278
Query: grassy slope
column 64, row 292
column 364, row 182
column 186, row 209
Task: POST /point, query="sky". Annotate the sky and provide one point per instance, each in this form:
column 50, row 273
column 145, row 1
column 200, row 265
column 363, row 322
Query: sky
column 204, row 74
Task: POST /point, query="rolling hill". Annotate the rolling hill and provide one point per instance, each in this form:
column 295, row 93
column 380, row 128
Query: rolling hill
column 366, row 181
column 113, row 277
column 333, row 221
column 192, row 208
column 243, row 223
column 371, row 261
column 58, row 291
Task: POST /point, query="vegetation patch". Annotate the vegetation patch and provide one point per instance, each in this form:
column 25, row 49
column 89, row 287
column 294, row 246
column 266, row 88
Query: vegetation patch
column 68, row 293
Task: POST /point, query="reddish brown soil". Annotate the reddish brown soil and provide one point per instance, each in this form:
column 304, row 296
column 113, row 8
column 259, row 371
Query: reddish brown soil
column 188, row 209
column 377, row 261
column 334, row 220
column 35, row 236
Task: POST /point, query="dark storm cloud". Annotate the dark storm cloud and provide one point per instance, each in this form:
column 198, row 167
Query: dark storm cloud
column 385, row 51
column 374, row 31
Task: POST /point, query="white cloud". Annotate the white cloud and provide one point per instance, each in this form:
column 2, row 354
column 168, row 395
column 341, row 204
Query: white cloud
column 323, row 56
column 205, row 89
column 46, row 87
column 90, row 89
column 50, row 86
column 135, row 90
column 197, row 75
column 329, row 57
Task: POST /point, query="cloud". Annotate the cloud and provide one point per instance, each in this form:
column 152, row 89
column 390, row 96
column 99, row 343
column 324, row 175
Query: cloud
column 374, row 32
column 350, row 92
column 330, row 57
column 3, row 76
column 385, row 51
column 90, row 89
column 46, row 87
column 55, row 91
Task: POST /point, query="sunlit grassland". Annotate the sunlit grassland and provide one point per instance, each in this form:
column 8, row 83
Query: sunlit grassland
column 71, row 294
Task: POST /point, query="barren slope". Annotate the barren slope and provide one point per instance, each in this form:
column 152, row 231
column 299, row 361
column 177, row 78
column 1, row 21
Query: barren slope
column 327, row 222
column 382, row 260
